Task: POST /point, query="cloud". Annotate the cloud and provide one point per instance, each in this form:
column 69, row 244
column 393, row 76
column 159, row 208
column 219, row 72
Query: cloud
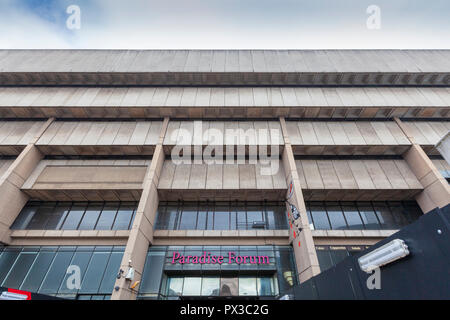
column 223, row 24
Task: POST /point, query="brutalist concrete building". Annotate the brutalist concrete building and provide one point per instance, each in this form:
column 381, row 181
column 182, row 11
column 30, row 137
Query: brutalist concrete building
column 211, row 174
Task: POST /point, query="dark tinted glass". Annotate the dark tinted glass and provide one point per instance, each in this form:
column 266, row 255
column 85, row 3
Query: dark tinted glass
column 91, row 216
column 58, row 216
column 106, row 219
column 37, row 272
column 319, row 216
column 336, row 216
column 368, row 215
column 124, row 216
column 73, row 219
column 41, row 217
column 19, row 270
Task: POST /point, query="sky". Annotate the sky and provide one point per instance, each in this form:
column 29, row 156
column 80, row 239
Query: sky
column 225, row 24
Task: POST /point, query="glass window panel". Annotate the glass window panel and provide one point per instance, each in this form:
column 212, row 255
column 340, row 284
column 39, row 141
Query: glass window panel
column 210, row 286
column 398, row 213
column 265, row 286
column 24, row 217
column 229, row 286
column 270, row 218
column 175, row 286
column 152, row 273
column 107, row 216
column 221, row 218
column 210, row 218
column 280, row 216
column 324, row 258
column 7, row 259
column 241, row 217
column 412, row 210
column 56, row 272
column 94, row 272
column 336, row 216
column 310, row 219
column 188, row 217
column 338, row 255
column 384, row 215
column 352, row 216
column 192, row 286
column 109, row 277
column 201, row 219
column 90, row 217
column 42, row 215
column 368, row 215
column 124, row 216
column 233, row 221
column 319, row 216
column 285, row 268
column 19, row 270
column 37, row 272
column 74, row 217
column 171, row 212
column 254, row 213
column 57, row 218
column 247, row 286
column 81, row 259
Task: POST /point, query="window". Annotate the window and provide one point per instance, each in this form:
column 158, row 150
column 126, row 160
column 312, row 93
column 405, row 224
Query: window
column 330, row 256
column 247, row 286
column 73, row 218
column 221, row 216
column 210, row 286
column 319, row 216
column 44, row 269
column 361, row 215
column 38, row 215
column 336, row 216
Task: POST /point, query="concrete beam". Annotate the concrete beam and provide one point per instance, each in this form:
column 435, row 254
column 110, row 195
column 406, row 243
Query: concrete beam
column 302, row 242
column 12, row 198
column 436, row 192
column 141, row 234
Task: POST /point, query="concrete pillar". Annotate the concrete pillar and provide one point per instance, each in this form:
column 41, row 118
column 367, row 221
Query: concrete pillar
column 436, row 191
column 12, row 198
column 302, row 242
column 141, row 234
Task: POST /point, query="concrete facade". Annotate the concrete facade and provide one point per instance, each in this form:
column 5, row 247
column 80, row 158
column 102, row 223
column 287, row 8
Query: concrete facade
column 334, row 131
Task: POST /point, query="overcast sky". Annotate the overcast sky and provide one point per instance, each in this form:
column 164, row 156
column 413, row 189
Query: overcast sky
column 226, row 24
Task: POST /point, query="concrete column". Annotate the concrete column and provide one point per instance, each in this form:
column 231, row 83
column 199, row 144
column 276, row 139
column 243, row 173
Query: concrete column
column 302, row 242
column 12, row 198
column 141, row 234
column 436, row 191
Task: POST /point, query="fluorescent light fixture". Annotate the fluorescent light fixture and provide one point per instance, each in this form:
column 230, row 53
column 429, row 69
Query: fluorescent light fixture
column 394, row 250
column 5, row 295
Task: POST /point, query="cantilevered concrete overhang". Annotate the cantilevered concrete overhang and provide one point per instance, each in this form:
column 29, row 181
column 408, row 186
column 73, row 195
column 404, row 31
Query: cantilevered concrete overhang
column 225, row 67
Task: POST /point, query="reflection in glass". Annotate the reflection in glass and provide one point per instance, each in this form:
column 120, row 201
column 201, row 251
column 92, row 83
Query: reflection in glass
column 90, row 217
column 266, row 286
column 107, row 216
column 229, row 286
column 175, row 286
column 74, row 217
column 210, row 286
column 192, row 286
column 247, row 286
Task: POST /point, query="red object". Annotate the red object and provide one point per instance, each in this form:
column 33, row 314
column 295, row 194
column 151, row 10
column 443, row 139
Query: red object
column 295, row 235
column 25, row 293
column 299, row 243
